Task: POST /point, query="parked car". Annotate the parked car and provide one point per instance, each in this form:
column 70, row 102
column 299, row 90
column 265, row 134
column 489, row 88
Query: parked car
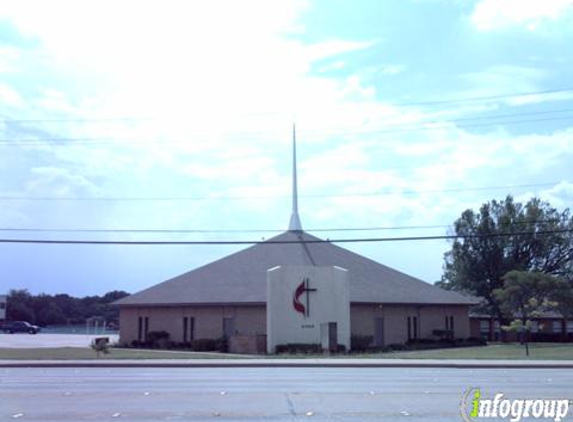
column 20, row 327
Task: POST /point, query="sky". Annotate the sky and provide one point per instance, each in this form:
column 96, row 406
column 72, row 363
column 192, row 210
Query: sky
column 177, row 115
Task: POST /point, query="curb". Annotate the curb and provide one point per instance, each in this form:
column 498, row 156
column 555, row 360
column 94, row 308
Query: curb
column 215, row 363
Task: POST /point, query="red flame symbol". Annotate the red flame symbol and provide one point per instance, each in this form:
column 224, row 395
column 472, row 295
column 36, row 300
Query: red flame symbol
column 298, row 306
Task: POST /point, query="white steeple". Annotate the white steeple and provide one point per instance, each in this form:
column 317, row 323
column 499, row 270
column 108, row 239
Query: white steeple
column 294, row 224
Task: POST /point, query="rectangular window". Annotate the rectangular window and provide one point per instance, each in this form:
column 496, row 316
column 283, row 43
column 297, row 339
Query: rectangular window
column 145, row 327
column 556, row 326
column 534, row 326
column 447, row 324
column 140, row 328
column 191, row 328
column 496, row 327
column 569, row 326
column 185, row 322
column 409, row 328
column 2, row 305
column 451, row 326
column 484, row 326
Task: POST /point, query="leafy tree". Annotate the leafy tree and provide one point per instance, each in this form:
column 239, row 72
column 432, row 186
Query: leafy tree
column 45, row 309
column 504, row 236
column 527, row 295
column 20, row 306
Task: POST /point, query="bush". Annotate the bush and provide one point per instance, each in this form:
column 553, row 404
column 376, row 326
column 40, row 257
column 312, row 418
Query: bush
column 475, row 341
column 298, row 348
column 360, row 343
column 396, row 347
column 546, row 337
column 204, row 345
column 158, row 339
column 222, row 345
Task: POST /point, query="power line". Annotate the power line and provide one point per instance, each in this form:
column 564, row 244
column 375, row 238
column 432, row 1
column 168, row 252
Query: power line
column 399, row 104
column 400, row 128
column 206, row 231
column 246, row 242
column 487, row 98
column 203, row 198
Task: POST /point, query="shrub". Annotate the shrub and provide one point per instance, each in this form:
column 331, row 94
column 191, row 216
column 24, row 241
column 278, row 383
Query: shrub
column 475, row 341
column 396, row 347
column 222, row 345
column 298, row 348
column 158, row 339
column 204, row 345
column 360, row 343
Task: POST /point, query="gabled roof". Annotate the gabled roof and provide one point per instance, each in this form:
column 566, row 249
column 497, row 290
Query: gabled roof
column 241, row 278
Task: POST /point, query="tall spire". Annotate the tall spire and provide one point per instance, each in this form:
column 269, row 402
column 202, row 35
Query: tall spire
column 294, row 224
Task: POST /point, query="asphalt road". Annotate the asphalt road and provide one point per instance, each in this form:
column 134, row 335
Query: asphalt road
column 262, row 394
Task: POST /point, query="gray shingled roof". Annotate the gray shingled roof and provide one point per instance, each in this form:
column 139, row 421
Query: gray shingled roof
column 242, row 277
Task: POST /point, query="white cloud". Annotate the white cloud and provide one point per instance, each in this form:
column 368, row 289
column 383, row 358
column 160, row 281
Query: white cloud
column 530, row 14
column 58, row 182
column 10, row 97
column 393, row 69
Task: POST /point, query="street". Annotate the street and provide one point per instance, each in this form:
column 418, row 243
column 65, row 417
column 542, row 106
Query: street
column 276, row 394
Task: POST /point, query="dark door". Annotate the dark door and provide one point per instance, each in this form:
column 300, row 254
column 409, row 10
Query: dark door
column 228, row 327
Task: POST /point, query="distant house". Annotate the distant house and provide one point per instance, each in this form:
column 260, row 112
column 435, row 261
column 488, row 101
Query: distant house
column 551, row 327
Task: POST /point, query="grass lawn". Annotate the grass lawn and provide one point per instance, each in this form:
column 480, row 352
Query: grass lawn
column 561, row 351
column 558, row 351
column 67, row 353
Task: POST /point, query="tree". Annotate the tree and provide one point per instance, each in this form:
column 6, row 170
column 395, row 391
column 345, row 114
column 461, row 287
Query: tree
column 528, row 295
column 505, row 236
column 20, row 306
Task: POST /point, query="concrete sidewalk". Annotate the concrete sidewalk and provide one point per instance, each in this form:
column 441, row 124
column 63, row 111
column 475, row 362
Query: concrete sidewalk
column 289, row 363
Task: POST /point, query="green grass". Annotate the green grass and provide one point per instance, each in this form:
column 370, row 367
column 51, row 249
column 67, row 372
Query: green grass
column 539, row 351
column 559, row 351
column 71, row 353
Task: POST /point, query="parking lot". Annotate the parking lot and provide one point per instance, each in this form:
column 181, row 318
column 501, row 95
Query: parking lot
column 29, row 341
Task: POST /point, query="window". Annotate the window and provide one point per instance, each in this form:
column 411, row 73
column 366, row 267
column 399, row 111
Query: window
column 191, row 328
column 185, row 323
column 484, row 326
column 140, row 328
column 556, row 326
column 188, row 329
column 496, row 327
column 145, row 327
column 451, row 329
column 409, row 328
column 415, row 323
column 2, row 305
column 569, row 326
column 534, row 326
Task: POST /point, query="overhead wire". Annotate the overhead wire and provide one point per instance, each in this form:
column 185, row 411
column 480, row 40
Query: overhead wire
column 271, row 241
column 206, row 231
column 398, row 104
column 250, row 197
column 428, row 125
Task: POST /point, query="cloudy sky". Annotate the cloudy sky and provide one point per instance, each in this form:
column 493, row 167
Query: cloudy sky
column 177, row 116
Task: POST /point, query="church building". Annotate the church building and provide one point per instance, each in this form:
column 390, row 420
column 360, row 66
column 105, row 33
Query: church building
column 294, row 288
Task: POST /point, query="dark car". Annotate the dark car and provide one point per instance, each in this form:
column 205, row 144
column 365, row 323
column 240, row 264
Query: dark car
column 20, row 327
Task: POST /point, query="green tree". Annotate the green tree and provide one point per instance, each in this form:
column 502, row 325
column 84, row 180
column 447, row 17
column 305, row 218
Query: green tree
column 20, row 306
column 528, row 295
column 504, row 236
